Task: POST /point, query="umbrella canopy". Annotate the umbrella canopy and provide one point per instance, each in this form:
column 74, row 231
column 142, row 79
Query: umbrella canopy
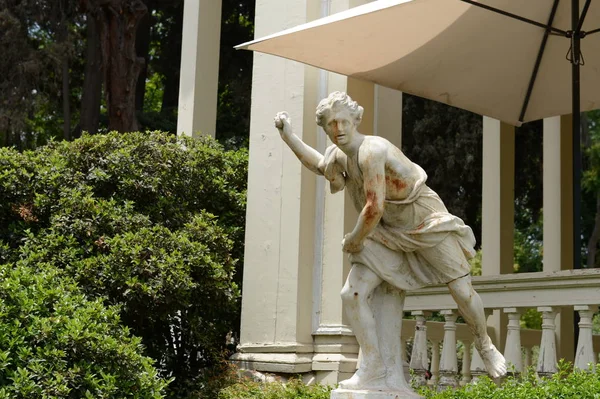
column 514, row 69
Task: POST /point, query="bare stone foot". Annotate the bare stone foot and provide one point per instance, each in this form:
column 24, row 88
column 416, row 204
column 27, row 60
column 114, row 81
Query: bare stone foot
column 494, row 361
column 374, row 379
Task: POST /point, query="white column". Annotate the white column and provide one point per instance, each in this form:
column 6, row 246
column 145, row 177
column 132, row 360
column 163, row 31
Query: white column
column 333, row 337
column 512, row 349
column 449, row 361
column 497, row 220
column 388, row 115
column 547, row 360
column 585, row 346
column 558, row 215
column 276, row 330
column 199, row 68
column 339, row 213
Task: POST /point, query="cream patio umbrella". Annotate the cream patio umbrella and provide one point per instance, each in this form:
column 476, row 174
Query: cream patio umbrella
column 513, row 60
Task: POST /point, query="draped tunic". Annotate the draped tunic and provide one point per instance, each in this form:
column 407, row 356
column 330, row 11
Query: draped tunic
column 417, row 242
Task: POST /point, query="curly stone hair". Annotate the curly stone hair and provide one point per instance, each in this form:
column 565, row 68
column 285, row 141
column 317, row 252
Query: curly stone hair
column 336, row 100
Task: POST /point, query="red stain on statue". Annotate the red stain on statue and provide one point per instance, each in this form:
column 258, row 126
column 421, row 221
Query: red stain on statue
column 371, row 211
column 397, row 183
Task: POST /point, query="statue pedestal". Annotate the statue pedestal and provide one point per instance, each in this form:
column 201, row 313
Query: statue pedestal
column 367, row 394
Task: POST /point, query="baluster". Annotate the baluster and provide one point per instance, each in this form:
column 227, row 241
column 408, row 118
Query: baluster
column 405, row 366
column 449, row 362
column 512, row 349
column 435, row 363
column 477, row 367
column 419, row 362
column 547, row 358
column 528, row 357
column 466, row 363
column 585, row 346
column 403, row 342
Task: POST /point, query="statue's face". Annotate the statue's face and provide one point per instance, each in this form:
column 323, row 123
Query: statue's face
column 340, row 126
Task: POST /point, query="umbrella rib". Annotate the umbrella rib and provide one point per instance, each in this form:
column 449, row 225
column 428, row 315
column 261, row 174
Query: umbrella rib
column 592, row 31
column 518, row 17
column 583, row 14
column 538, row 61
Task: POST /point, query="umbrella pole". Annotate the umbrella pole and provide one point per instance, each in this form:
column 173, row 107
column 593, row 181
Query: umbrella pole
column 576, row 132
column 576, row 141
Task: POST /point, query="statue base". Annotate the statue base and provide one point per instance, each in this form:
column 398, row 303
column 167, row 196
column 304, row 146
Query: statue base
column 368, row 394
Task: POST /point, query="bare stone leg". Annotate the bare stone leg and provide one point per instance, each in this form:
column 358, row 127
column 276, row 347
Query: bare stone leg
column 356, row 296
column 471, row 308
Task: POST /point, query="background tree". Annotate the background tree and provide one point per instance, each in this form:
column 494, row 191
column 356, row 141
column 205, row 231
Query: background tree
column 58, row 56
column 591, row 188
column 447, row 142
column 117, row 23
column 235, row 71
column 40, row 48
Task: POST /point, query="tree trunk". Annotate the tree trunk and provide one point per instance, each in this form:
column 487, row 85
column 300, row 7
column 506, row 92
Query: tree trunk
column 92, row 82
column 142, row 46
column 593, row 241
column 118, row 21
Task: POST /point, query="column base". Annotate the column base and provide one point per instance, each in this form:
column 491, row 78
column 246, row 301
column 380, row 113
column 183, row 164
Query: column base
column 367, row 394
column 286, row 363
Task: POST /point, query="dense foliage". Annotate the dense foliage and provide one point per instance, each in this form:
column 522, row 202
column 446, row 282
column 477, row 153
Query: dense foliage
column 130, row 219
column 293, row 389
column 55, row 343
column 58, row 55
column 566, row 384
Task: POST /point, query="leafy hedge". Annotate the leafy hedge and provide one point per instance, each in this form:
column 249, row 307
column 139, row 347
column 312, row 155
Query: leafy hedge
column 293, row 389
column 130, row 217
column 55, row 343
column 566, row 384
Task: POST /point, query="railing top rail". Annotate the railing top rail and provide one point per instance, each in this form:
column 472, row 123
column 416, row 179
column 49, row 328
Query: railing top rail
column 524, row 290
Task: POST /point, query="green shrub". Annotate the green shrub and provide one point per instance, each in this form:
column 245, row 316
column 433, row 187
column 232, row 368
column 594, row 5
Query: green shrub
column 54, row 343
column 164, row 177
column 130, row 218
column 566, row 384
column 174, row 287
column 293, row 389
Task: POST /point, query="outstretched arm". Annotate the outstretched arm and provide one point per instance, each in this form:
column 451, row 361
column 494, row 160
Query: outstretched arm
column 373, row 170
column 309, row 157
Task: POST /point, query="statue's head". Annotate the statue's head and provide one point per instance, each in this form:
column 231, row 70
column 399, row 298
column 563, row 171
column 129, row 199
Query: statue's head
column 337, row 101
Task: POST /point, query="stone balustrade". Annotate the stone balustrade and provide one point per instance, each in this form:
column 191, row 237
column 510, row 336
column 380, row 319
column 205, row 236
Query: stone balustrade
column 431, row 346
column 434, row 343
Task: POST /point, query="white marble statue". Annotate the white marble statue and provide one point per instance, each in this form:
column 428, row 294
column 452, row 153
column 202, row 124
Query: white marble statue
column 404, row 239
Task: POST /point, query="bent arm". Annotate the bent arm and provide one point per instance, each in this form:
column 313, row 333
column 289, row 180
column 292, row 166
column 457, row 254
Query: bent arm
column 375, row 190
column 372, row 212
